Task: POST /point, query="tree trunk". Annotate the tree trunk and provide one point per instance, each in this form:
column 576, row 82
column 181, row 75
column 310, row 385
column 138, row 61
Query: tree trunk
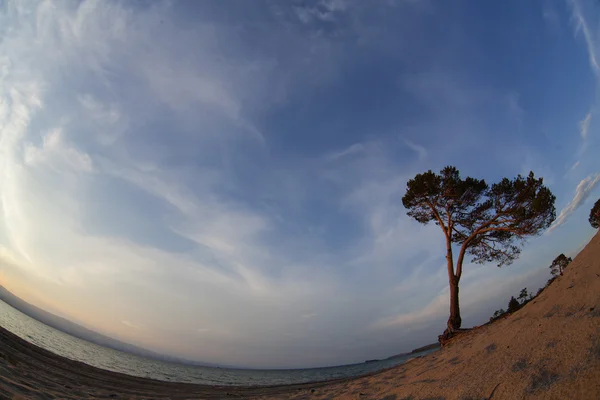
column 454, row 321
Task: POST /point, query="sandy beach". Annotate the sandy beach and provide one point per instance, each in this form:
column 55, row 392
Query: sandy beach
column 550, row 349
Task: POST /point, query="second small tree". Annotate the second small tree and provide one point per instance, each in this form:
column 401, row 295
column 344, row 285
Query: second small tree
column 559, row 264
column 523, row 296
column 595, row 215
column 513, row 305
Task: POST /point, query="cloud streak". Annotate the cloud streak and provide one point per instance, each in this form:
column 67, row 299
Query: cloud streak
column 582, row 24
column 585, row 126
column 582, row 192
column 420, row 150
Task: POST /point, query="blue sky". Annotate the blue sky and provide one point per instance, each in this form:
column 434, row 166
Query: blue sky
column 223, row 181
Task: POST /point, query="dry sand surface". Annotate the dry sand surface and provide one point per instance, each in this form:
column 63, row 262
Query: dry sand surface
column 550, row 349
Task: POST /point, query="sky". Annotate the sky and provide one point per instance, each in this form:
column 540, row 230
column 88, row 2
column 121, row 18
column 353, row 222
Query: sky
column 222, row 181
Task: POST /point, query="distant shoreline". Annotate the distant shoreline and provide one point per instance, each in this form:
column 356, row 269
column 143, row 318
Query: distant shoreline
column 415, row 351
column 425, row 348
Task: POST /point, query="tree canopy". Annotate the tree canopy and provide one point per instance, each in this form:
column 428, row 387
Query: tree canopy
column 489, row 222
column 595, row 215
column 523, row 296
column 513, row 305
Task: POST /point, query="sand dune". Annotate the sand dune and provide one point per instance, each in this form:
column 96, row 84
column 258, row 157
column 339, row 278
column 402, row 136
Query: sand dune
column 550, row 349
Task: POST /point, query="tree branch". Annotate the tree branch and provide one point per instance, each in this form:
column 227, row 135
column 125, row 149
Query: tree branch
column 503, row 229
column 495, row 249
column 482, row 229
column 439, row 219
column 450, row 224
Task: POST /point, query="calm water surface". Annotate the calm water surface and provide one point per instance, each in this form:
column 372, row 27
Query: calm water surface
column 76, row 349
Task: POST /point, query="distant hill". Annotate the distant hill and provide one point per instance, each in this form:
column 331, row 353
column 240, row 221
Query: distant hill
column 80, row 332
column 415, row 351
column 424, row 348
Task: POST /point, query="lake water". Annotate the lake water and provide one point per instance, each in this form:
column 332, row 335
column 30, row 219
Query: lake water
column 71, row 347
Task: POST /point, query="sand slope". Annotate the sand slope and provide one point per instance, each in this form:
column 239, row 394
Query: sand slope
column 550, row 349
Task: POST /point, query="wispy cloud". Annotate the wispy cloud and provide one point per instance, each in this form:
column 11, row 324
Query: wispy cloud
column 420, row 150
column 53, row 152
column 323, row 10
column 351, row 150
column 550, row 15
column 574, row 166
column 584, row 15
column 582, row 192
column 515, row 110
column 590, row 36
column 436, row 309
column 130, row 324
column 584, row 125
